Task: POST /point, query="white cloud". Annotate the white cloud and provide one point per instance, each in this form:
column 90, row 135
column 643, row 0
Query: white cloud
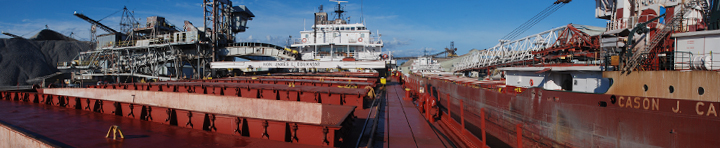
column 414, row 52
column 189, row 5
column 395, row 43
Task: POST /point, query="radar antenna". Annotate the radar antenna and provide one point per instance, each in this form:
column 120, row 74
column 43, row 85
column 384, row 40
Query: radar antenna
column 339, row 10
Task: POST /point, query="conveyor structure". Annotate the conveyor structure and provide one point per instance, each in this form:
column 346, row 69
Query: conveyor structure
column 159, row 49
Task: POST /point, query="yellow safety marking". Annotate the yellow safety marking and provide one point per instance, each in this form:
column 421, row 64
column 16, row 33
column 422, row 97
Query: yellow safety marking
column 371, row 93
column 115, row 130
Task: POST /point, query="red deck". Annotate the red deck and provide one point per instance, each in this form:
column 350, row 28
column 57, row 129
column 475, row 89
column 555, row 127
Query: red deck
column 78, row 128
column 59, row 119
column 406, row 127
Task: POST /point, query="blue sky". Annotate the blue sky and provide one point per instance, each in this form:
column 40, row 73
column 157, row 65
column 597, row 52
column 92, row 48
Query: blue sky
column 407, row 27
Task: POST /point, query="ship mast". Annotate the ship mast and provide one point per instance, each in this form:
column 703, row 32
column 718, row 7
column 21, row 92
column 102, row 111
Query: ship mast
column 339, row 11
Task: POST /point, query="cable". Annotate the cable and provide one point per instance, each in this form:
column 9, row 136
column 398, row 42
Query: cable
column 534, row 20
column 524, row 25
column 536, row 15
column 32, row 31
column 110, row 15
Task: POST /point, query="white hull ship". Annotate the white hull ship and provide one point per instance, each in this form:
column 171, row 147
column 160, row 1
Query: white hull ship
column 331, row 45
column 338, row 40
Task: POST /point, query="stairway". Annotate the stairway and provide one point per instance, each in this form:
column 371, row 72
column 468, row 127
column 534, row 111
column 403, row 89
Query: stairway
column 637, row 58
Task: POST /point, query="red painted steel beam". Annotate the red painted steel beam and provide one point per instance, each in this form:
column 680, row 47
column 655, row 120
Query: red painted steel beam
column 518, row 131
column 333, row 74
column 321, row 78
column 482, row 126
column 310, row 113
column 304, row 82
column 316, row 94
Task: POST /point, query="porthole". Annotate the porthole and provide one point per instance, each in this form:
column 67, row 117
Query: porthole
column 602, row 104
column 645, row 87
column 671, row 89
column 701, row 90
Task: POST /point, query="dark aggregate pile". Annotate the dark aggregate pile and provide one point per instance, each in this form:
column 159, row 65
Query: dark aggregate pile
column 23, row 59
column 47, row 34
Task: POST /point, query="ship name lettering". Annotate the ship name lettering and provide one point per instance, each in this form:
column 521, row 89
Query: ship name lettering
column 645, row 103
column 308, row 64
column 281, row 64
column 710, row 109
column 637, row 103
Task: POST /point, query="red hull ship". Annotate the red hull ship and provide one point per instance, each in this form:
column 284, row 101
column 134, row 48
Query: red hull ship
column 551, row 118
column 646, row 80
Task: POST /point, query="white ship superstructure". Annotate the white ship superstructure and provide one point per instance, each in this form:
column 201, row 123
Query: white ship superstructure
column 331, row 45
column 337, row 40
column 426, row 64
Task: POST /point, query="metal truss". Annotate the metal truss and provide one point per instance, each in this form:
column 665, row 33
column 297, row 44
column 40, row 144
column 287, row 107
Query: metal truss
column 509, row 52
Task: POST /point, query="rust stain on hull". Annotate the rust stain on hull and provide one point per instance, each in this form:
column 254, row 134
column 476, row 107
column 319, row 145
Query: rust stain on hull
column 569, row 119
